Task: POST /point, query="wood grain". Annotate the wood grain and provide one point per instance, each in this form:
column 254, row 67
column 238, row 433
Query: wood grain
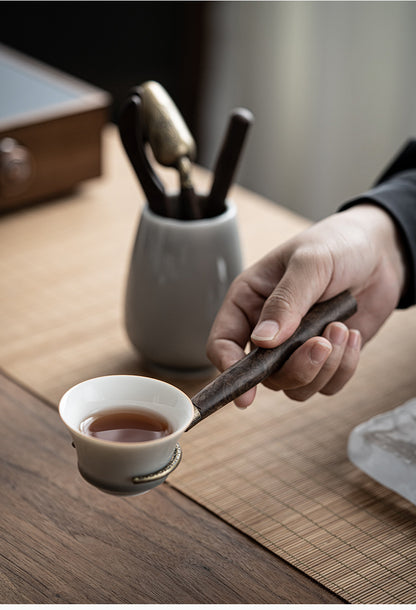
column 62, row 541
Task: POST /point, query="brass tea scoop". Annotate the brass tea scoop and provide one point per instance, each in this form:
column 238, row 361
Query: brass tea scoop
column 170, row 140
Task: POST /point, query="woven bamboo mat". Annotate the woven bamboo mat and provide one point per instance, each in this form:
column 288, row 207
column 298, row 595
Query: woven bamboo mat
column 277, row 471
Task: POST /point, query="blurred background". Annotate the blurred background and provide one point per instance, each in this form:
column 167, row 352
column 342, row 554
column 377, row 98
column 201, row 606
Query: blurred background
column 332, row 85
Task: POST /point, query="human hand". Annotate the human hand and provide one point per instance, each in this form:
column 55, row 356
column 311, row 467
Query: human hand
column 358, row 250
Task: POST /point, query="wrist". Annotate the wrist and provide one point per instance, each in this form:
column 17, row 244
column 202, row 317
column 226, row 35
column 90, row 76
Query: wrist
column 389, row 240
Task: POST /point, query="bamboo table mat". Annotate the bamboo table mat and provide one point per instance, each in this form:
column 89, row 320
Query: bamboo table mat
column 277, row 471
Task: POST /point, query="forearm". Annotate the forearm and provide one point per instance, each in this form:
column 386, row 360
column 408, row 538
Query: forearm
column 395, row 192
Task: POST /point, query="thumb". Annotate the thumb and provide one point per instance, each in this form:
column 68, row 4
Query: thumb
column 291, row 299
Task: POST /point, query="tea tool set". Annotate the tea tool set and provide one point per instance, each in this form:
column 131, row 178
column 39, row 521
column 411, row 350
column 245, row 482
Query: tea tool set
column 149, row 116
column 187, row 249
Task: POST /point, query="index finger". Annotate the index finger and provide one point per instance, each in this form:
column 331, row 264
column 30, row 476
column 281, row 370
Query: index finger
column 233, row 324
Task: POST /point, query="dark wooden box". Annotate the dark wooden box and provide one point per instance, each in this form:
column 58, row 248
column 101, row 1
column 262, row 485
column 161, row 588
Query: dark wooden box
column 50, row 130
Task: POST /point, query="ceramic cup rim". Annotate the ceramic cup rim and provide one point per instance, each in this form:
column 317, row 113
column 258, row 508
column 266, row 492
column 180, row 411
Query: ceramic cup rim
column 120, row 445
column 191, row 224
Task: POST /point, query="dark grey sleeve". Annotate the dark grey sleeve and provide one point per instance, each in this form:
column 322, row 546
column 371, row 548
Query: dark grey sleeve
column 395, row 191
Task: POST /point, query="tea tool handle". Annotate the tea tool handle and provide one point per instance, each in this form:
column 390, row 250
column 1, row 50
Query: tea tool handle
column 228, row 158
column 260, row 363
column 130, row 126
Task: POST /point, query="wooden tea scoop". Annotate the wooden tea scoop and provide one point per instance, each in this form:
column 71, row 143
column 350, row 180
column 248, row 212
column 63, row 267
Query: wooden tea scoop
column 171, row 142
column 260, row 363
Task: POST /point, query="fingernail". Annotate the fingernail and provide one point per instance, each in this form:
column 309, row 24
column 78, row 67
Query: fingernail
column 265, row 331
column 337, row 334
column 320, row 352
column 354, row 340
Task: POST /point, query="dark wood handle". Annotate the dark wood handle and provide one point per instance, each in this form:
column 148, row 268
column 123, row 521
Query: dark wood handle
column 226, row 165
column 130, row 126
column 260, row 363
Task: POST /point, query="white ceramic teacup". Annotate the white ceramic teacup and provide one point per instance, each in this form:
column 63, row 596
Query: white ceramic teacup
column 116, row 467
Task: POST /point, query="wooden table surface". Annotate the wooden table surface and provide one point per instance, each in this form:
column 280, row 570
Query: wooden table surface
column 62, row 540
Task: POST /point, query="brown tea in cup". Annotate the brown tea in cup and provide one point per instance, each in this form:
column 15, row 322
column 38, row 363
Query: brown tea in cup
column 124, row 425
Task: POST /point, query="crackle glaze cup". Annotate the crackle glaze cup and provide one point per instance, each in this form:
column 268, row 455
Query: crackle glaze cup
column 119, row 467
column 179, row 274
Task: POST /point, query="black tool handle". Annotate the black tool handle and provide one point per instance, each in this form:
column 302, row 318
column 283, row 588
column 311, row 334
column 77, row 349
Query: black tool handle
column 130, row 126
column 260, row 363
column 227, row 161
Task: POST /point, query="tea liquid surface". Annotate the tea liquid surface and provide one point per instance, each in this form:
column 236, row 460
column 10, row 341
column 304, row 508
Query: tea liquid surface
column 126, row 426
